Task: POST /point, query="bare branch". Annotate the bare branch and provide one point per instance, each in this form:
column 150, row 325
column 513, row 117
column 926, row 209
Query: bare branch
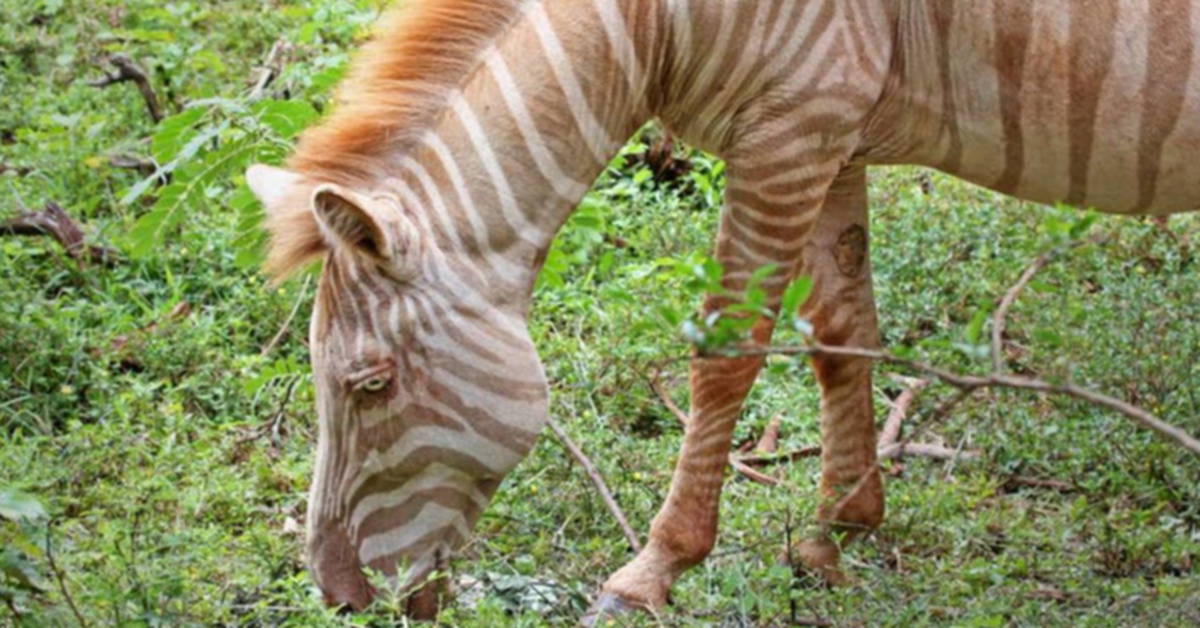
column 598, row 481
column 971, row 383
column 127, row 71
column 54, row 221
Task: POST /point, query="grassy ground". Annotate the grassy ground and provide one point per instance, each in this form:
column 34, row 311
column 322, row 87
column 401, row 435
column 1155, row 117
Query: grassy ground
column 137, row 420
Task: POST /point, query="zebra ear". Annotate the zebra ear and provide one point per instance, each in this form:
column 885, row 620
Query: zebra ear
column 349, row 219
column 272, row 185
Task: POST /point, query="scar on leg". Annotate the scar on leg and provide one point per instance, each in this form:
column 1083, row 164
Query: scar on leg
column 851, row 252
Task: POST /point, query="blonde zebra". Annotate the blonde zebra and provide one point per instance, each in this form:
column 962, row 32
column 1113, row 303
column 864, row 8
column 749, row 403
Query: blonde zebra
column 469, row 130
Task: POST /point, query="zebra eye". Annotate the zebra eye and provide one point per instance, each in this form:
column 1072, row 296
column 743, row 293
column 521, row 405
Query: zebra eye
column 376, row 384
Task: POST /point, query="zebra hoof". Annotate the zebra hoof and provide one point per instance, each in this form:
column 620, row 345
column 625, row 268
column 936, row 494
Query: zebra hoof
column 606, row 610
column 819, row 560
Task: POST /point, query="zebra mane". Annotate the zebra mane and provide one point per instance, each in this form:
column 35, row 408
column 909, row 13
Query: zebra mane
column 396, row 88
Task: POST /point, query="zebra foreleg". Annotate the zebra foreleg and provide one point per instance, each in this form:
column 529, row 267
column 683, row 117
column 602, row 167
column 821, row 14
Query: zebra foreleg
column 759, row 227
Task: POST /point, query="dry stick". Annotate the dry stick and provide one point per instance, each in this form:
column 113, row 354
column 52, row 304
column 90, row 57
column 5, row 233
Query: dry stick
column 971, row 383
column 126, row 71
column 55, row 222
column 891, row 427
column 62, row 582
column 600, row 484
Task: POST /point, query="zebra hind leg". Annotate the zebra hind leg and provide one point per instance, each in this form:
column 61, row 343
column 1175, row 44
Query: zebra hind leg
column 842, row 311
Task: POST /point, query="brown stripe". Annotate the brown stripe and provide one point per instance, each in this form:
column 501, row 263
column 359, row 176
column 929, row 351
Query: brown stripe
column 1014, row 26
column 482, row 421
column 386, row 519
column 1169, row 55
column 1092, row 41
column 943, row 22
column 419, row 460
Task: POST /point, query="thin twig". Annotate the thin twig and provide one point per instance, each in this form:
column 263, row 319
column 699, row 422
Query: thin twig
column 1000, row 318
column 598, row 482
column 995, row 380
column 287, row 324
column 271, row 428
column 734, row 460
column 811, row 451
column 656, row 385
column 62, row 581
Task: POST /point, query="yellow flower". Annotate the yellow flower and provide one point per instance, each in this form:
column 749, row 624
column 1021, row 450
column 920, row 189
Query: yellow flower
column 67, row 390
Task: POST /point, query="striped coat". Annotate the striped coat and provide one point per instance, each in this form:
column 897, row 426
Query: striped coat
column 470, row 129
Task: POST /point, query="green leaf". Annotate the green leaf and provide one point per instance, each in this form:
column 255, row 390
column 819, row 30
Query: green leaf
column 796, row 294
column 18, row 506
column 20, row 573
column 286, row 118
column 975, row 329
column 762, row 274
column 173, row 134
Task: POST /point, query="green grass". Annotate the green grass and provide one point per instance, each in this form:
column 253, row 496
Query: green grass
column 166, row 509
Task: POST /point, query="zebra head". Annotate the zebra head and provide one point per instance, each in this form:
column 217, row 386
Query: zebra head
column 429, row 390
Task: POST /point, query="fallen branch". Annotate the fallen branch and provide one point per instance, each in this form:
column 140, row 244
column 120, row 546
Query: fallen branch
column 888, row 447
column 127, row 71
column 971, row 383
column 598, row 482
column 54, row 221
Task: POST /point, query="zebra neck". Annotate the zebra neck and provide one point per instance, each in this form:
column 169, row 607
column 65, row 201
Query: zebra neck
column 520, row 143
